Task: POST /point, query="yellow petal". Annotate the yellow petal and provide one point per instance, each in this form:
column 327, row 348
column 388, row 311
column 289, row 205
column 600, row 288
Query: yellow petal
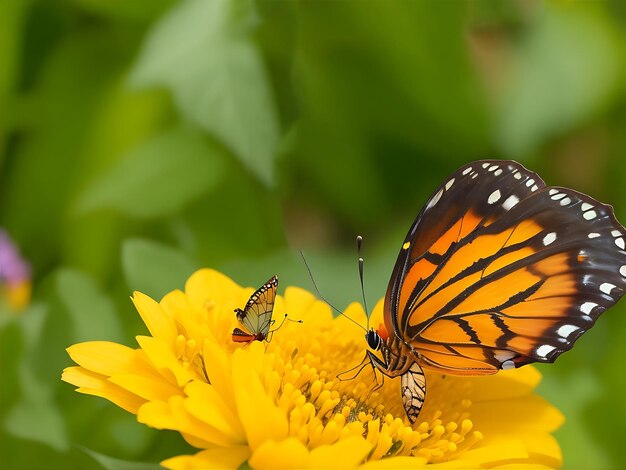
column 173, row 415
column 529, row 413
column 187, row 318
column 146, row 387
column 82, row 377
column 256, row 408
column 104, row 357
column 347, row 453
column 297, row 301
column 209, row 285
column 164, row 360
column 394, row 463
column 497, row 451
column 287, row 454
column 91, row 383
column 505, row 384
column 221, row 457
column 219, row 371
column 543, row 449
column 158, row 321
column 207, row 405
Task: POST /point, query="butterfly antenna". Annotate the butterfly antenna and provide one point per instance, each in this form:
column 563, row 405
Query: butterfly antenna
column 359, row 244
column 322, row 297
column 283, row 321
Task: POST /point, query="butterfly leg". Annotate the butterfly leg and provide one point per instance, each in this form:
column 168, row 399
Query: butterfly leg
column 361, row 365
column 413, row 389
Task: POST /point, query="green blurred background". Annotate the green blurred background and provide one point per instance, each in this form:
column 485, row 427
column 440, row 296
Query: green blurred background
column 140, row 140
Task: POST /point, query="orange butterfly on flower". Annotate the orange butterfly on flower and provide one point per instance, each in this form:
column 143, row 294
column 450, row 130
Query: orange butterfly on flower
column 256, row 316
column 497, row 271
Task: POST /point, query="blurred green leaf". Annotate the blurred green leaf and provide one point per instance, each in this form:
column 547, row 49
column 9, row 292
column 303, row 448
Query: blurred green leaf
column 153, row 268
column 125, row 10
column 38, row 420
column 157, row 178
column 568, row 68
column 11, row 350
column 91, row 312
column 110, row 463
column 388, row 100
column 12, row 15
column 575, row 437
column 35, row 416
column 203, row 52
column 58, row 108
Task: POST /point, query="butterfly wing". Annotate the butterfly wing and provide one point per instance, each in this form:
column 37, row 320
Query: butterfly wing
column 240, row 336
column 499, row 271
column 413, row 389
column 257, row 314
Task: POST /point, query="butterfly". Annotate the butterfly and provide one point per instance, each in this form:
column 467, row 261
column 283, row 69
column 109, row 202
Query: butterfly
column 497, row 271
column 256, row 317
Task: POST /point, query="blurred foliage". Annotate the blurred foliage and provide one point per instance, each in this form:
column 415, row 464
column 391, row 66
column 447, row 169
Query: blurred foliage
column 141, row 140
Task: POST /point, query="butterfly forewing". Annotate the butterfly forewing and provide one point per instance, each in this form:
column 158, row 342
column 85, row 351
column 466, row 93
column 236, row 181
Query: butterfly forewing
column 499, row 271
column 465, row 202
column 257, row 314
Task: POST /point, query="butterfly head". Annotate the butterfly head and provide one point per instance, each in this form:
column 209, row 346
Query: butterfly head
column 240, row 314
column 374, row 341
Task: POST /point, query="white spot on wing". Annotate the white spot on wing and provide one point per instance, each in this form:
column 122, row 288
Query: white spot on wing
column 506, row 365
column 449, row 184
column 587, row 307
column 467, row 170
column 493, row 167
column 616, row 233
column 503, row 356
column 593, row 235
column 517, row 175
column 567, row 330
column 622, row 270
column 498, row 172
column 589, row 215
column 534, row 188
column 549, row 238
column 485, row 165
column 530, row 182
column 558, row 196
column 565, row 201
column 435, row 199
column 607, row 287
column 510, row 202
column 620, row 243
column 494, row 197
column 544, row 350
column 553, row 191
column 585, row 206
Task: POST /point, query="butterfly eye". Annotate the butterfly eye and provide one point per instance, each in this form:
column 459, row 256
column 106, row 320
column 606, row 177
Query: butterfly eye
column 373, row 340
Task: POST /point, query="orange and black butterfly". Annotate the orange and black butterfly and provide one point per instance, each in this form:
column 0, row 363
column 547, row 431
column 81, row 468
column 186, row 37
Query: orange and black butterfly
column 497, row 271
column 256, row 317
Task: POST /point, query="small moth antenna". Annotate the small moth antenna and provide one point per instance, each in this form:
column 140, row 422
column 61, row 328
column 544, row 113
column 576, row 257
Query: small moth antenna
column 322, row 297
column 283, row 321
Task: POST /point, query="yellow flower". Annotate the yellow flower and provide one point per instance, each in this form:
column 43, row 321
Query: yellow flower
column 280, row 405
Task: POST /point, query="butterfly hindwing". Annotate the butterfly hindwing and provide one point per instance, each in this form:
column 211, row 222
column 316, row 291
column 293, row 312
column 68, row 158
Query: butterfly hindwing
column 514, row 273
column 413, row 389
